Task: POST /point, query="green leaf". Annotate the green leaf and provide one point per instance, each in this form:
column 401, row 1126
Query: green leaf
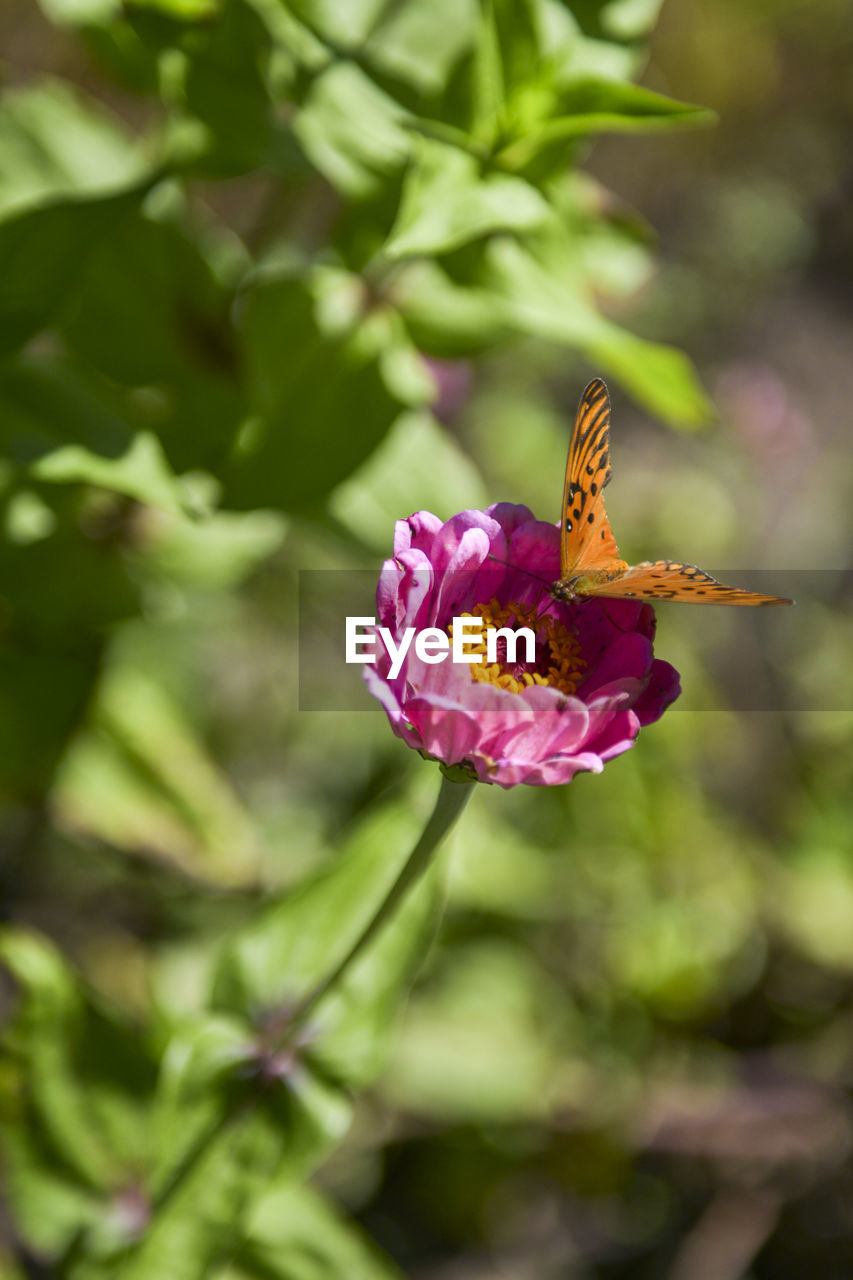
column 56, row 142
column 149, row 308
column 101, row 792
column 216, row 553
column 488, row 92
column 446, row 319
column 479, row 1041
column 80, row 12
column 296, row 44
column 198, row 1085
column 87, row 1080
column 509, row 64
column 150, row 312
column 347, row 23
column 353, row 1024
column 227, row 1119
column 199, row 1223
column 616, row 19
column 660, row 377
column 352, row 131
column 544, row 293
column 599, row 105
column 42, row 698
column 289, row 950
column 61, row 591
column 46, row 617
column 297, row 941
column 611, row 104
column 296, row 1234
column 216, row 1069
column 57, row 426
column 141, row 715
column 225, row 88
column 51, row 1208
column 324, row 383
column 68, row 175
column 419, row 41
column 184, row 10
column 448, row 201
column 418, row 464
column 43, row 253
column 112, row 39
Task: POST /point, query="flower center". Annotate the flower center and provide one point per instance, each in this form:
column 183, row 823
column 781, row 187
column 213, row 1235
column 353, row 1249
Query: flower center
column 558, row 654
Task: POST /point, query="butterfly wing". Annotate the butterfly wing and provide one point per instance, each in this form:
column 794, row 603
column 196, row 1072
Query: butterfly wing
column 671, row 580
column 586, row 539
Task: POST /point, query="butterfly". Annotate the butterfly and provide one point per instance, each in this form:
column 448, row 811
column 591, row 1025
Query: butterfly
column 590, row 564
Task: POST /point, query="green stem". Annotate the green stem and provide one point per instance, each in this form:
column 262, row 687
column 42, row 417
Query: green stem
column 452, row 798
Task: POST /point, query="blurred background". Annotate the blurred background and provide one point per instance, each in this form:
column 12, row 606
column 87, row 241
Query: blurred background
column 629, row 1052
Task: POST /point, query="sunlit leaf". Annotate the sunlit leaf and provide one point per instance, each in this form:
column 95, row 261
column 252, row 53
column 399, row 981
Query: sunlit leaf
column 187, row 10
column 448, row 201
column 417, row 464
column 447, row 319
column 57, row 142
column 351, row 130
column 80, row 12
column 345, row 22
column 545, row 294
column 294, row 1233
column 420, row 40
column 588, row 106
column 146, row 721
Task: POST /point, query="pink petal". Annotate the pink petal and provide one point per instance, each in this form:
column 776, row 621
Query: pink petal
column 417, row 532
column 446, row 730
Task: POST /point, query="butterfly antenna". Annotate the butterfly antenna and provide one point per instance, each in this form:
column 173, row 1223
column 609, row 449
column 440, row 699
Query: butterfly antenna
column 545, row 582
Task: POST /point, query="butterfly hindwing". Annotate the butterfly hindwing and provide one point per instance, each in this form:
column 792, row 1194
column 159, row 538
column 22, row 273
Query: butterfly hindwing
column 672, row 580
column 586, row 539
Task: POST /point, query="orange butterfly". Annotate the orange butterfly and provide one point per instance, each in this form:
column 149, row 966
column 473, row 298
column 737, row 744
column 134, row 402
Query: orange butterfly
column 589, row 558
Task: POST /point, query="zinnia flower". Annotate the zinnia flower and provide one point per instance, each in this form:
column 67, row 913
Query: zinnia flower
column 594, row 683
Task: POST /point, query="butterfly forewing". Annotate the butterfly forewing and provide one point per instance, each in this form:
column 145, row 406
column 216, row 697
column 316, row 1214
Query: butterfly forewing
column 671, row 580
column 586, row 539
column 590, row 564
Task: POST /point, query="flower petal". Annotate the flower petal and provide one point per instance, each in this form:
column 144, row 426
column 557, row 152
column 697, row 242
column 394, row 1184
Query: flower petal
column 418, row 532
column 446, row 730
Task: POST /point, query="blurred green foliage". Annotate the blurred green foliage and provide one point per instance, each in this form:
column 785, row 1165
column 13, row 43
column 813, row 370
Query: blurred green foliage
column 275, row 273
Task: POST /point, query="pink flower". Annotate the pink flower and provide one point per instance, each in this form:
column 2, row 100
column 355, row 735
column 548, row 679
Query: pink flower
column 594, row 683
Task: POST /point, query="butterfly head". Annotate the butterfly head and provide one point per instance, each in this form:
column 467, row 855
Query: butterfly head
column 565, row 589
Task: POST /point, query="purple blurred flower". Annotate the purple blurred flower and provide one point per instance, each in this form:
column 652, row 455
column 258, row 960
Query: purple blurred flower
column 453, row 380
column 595, row 681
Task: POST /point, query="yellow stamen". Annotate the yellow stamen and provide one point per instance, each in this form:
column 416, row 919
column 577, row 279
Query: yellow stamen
column 559, row 662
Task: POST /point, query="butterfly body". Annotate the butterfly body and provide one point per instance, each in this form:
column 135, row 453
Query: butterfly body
column 589, row 583
column 590, row 564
